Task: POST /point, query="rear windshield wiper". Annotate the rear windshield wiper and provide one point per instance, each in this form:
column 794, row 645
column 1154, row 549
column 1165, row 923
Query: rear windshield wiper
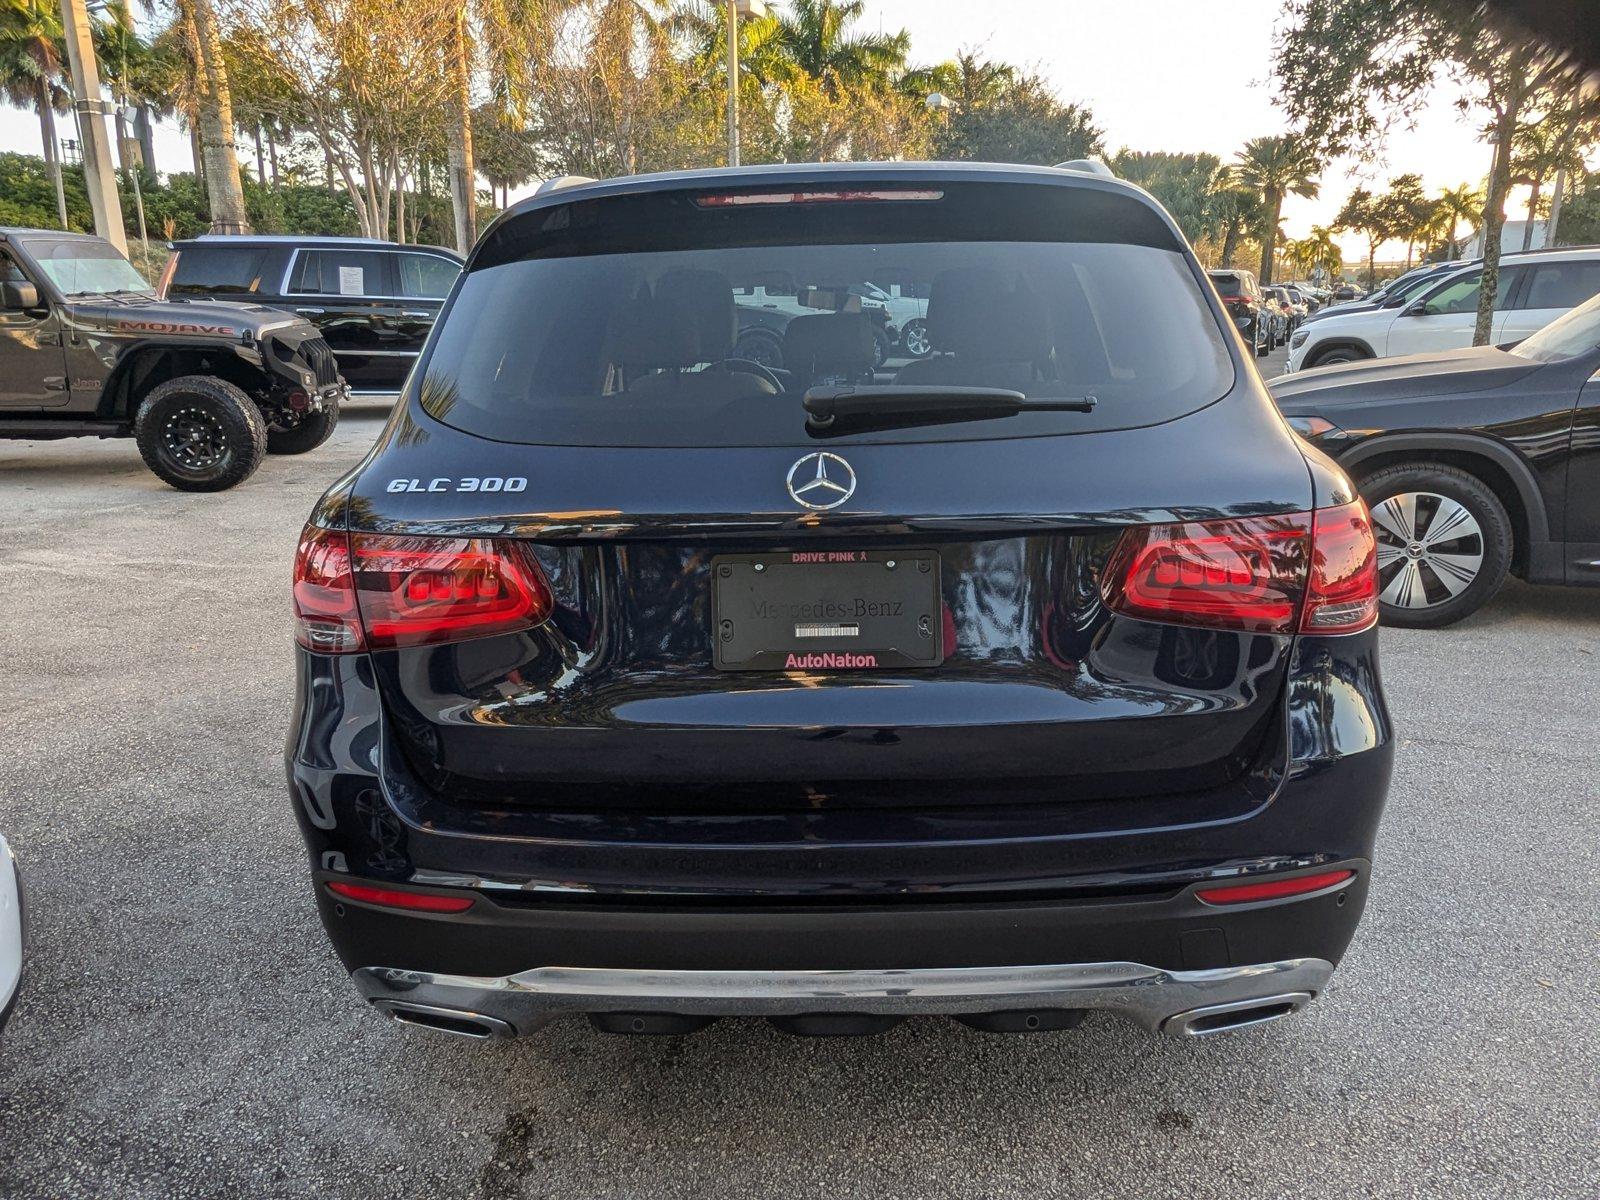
column 835, row 410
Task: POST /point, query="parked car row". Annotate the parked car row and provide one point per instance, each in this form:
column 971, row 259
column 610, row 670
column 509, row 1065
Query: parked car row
column 1264, row 316
column 1437, row 308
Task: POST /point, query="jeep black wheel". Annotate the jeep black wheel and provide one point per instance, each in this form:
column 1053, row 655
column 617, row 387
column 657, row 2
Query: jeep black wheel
column 308, row 431
column 1444, row 543
column 200, row 434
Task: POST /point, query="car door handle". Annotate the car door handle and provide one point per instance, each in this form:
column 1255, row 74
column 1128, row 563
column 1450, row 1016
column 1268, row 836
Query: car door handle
column 410, row 313
column 311, row 312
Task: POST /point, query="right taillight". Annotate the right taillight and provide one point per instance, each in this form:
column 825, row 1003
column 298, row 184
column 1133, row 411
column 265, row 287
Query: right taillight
column 380, row 591
column 1342, row 594
column 1312, row 572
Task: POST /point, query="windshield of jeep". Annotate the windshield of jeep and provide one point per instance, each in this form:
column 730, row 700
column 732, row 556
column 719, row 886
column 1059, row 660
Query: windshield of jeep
column 84, row 268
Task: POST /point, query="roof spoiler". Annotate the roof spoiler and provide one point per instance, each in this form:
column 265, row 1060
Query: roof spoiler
column 1087, row 166
column 562, row 181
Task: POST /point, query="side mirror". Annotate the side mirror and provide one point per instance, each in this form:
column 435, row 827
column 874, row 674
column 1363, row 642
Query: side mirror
column 1417, row 309
column 19, row 296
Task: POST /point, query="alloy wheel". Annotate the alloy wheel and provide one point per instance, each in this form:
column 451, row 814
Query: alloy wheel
column 194, row 438
column 1430, row 549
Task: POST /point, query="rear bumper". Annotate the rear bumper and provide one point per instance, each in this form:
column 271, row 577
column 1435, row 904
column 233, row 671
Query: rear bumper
column 506, row 966
column 1182, row 1003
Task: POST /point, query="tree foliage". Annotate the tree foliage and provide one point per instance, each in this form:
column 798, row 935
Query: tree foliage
column 1349, row 69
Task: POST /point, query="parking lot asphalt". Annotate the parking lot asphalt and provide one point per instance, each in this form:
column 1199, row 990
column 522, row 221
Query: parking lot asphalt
column 185, row 1031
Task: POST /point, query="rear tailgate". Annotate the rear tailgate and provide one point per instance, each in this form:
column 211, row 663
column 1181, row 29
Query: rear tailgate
column 1034, row 693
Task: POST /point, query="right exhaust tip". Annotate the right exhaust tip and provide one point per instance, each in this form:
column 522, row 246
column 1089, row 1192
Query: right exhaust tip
column 1241, row 1014
column 457, row 1022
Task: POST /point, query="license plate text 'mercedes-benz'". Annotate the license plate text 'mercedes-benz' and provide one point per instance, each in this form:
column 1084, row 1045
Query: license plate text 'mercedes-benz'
column 826, row 610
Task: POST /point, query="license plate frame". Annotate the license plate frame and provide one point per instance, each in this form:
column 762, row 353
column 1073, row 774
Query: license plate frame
column 827, row 611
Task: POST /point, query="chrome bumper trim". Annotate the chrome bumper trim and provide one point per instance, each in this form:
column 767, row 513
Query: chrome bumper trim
column 1153, row 998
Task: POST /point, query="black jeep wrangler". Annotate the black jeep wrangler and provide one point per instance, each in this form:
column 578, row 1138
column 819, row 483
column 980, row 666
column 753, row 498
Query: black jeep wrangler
column 206, row 389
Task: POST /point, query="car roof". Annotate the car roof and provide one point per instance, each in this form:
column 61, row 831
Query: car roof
column 830, row 174
column 9, row 231
column 305, row 241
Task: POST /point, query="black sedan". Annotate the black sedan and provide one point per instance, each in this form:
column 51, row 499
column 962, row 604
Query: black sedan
column 1476, row 463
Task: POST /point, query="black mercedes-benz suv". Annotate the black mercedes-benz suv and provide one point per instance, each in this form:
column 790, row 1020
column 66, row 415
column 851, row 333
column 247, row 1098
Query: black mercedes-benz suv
column 641, row 681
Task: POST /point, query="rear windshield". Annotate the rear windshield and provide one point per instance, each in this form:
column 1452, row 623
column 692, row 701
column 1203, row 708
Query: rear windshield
column 683, row 320
column 1228, row 285
column 210, row 270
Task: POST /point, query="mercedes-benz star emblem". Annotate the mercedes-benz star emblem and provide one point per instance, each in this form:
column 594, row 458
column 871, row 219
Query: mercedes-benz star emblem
column 821, row 481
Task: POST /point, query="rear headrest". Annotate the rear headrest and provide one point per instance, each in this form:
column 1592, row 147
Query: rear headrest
column 687, row 319
column 976, row 314
column 829, row 344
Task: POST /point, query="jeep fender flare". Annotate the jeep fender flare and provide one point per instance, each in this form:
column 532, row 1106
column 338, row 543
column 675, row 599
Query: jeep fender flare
column 118, row 385
column 1501, row 455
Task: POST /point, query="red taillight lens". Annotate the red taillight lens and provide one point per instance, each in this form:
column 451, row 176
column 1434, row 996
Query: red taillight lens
column 1343, row 592
column 382, row 591
column 1313, row 572
column 1246, row 574
column 1273, row 889
column 325, row 614
column 844, row 196
column 416, row 590
column 391, row 898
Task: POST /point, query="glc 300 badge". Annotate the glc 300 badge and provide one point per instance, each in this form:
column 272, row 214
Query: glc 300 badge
column 821, row 481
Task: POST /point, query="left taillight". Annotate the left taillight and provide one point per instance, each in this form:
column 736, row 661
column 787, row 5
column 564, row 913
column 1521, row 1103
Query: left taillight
column 326, row 618
column 379, row 591
column 1312, row 572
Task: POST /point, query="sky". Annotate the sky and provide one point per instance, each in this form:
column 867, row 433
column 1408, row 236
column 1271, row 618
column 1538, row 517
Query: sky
column 1177, row 75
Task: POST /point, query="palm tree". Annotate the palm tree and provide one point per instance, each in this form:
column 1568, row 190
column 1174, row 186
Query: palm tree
column 1460, row 203
column 1275, row 167
column 815, row 36
column 1231, row 209
column 213, row 116
column 140, row 74
column 1322, row 250
column 30, row 74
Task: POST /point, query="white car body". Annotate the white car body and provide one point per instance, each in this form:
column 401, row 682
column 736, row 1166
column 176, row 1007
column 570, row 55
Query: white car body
column 10, row 931
column 1534, row 290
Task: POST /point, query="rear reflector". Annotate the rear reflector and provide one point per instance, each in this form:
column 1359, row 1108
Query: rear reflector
column 390, row 898
column 744, row 199
column 372, row 591
column 1273, row 889
column 1313, row 571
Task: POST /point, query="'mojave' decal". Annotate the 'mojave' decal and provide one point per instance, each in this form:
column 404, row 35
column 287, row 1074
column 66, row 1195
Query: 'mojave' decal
column 171, row 327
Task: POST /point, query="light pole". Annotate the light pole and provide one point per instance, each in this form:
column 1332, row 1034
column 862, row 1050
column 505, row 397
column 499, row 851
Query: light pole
column 737, row 9
column 98, row 174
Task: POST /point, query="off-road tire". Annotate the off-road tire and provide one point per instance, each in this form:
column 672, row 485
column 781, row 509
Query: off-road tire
column 1490, row 536
column 310, row 432
column 199, row 433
